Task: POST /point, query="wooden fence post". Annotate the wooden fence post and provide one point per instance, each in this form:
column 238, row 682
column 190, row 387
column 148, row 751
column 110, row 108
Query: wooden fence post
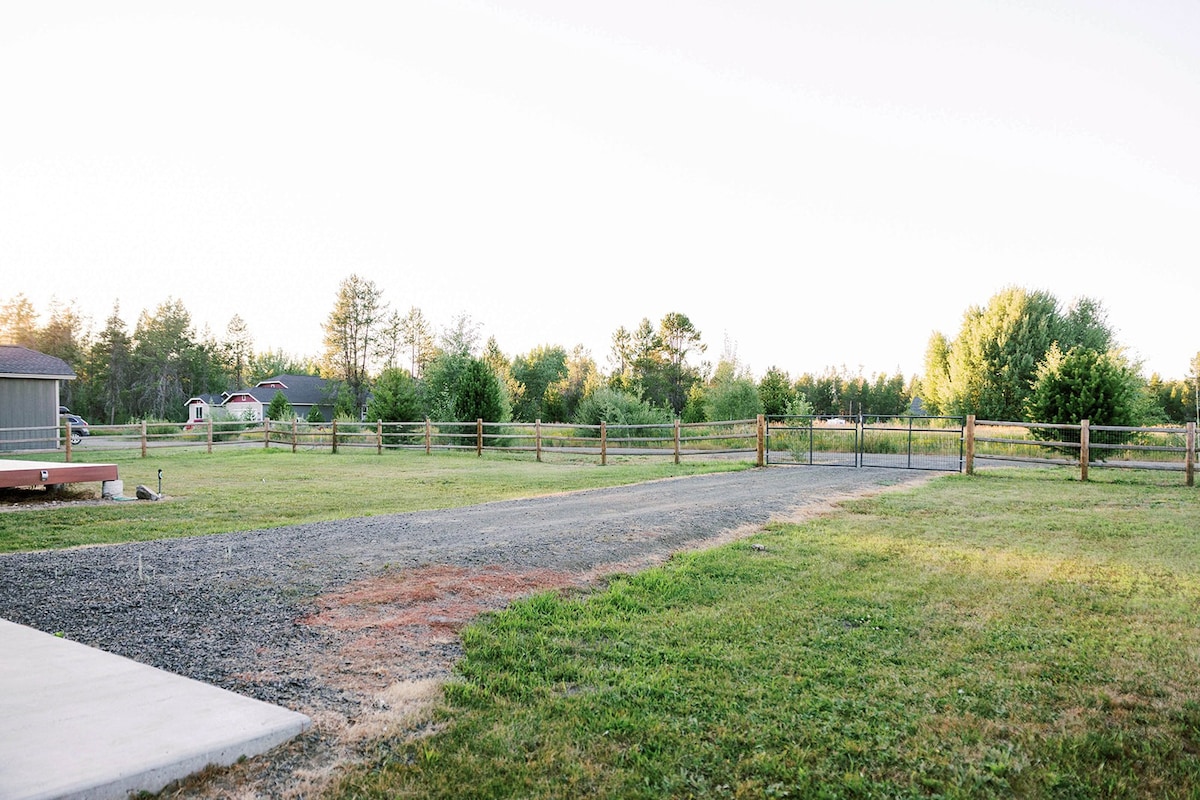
column 428, row 436
column 143, row 438
column 478, row 437
column 266, row 433
column 334, row 434
column 295, row 431
column 603, row 443
column 67, row 428
column 537, row 437
column 677, row 440
column 761, row 435
column 1085, row 455
column 379, row 437
column 209, row 435
column 1189, row 460
column 969, row 445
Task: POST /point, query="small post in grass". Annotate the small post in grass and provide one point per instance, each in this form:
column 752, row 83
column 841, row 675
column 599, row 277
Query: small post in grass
column 210, row 434
column 379, row 437
column 603, row 443
column 143, row 438
column 677, row 440
column 537, row 437
column 428, row 436
column 67, row 427
column 333, row 433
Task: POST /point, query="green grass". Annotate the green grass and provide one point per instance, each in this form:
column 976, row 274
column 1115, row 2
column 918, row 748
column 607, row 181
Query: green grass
column 1016, row 633
column 251, row 488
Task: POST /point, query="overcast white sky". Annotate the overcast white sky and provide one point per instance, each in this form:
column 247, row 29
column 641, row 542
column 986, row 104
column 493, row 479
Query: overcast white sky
column 819, row 183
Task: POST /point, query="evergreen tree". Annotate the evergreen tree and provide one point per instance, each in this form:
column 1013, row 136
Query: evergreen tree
column 1084, row 384
column 775, row 392
column 280, row 408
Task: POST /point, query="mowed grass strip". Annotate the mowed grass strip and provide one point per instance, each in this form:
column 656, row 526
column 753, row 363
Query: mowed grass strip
column 1014, row 634
column 253, row 488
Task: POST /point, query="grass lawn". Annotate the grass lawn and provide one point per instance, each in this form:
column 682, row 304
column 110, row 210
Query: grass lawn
column 1016, row 633
column 252, row 488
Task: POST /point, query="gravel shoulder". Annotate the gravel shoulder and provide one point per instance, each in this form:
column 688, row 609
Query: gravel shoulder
column 355, row 622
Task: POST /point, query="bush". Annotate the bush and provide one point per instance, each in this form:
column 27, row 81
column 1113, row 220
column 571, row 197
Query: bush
column 615, row 407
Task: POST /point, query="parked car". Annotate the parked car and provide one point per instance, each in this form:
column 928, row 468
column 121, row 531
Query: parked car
column 79, row 427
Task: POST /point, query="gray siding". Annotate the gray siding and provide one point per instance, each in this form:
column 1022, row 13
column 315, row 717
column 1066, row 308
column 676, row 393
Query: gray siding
column 26, row 405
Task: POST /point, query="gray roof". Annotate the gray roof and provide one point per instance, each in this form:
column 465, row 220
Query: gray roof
column 21, row 362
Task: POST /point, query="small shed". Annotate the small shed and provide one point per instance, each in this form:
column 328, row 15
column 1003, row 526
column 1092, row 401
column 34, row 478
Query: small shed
column 29, row 398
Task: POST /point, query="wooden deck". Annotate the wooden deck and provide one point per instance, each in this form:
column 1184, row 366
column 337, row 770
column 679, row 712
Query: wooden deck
column 45, row 473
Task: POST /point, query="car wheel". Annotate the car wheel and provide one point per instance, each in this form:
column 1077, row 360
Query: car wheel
column 76, row 438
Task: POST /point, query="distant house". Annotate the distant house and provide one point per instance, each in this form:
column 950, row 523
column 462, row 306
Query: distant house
column 29, row 397
column 303, row 392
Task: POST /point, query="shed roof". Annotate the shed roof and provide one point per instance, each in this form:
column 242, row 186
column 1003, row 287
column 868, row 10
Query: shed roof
column 21, row 362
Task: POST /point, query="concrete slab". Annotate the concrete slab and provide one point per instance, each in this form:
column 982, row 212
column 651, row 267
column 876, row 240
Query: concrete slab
column 76, row 722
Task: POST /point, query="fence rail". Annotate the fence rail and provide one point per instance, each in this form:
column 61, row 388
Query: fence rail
column 936, row 443
column 1084, row 444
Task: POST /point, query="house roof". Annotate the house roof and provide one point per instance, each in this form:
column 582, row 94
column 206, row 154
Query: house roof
column 21, row 362
column 304, row 390
column 300, row 390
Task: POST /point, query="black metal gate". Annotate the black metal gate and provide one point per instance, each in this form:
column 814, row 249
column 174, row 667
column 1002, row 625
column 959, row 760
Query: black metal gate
column 905, row 442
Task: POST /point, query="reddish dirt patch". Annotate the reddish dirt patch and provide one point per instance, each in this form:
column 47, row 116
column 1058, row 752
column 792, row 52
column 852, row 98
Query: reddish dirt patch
column 389, row 627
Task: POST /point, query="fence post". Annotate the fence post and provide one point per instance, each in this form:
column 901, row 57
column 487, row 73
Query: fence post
column 379, row 437
column 67, row 427
column 603, row 443
column 266, row 433
column 1189, row 460
column 478, row 437
column 1085, row 455
column 209, row 434
column 143, row 438
column 677, row 440
column 537, row 437
column 295, row 431
column 334, row 434
column 428, row 436
column 969, row 443
column 761, row 435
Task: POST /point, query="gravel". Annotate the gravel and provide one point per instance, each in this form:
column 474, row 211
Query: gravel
column 231, row 609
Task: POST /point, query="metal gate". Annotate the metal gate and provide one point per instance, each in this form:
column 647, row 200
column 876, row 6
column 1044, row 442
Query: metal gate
column 904, row 442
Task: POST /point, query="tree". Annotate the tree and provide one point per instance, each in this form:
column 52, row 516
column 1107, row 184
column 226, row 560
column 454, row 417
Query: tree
column 537, row 372
column 276, row 362
column 395, row 398
column 989, row 367
column 462, row 337
column 161, row 350
column 108, row 369
column 479, row 394
column 1194, row 380
column 564, row 395
column 621, row 358
column 679, row 340
column 280, row 408
column 1084, row 384
column 416, row 334
column 350, row 331
column 775, row 392
column 239, row 351
column 18, row 322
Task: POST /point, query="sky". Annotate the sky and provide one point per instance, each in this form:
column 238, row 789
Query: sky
column 815, row 185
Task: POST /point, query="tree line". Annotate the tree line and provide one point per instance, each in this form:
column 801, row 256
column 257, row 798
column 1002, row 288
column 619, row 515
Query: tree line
column 1023, row 356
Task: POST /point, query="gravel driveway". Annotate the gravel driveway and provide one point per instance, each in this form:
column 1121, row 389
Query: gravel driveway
column 323, row 617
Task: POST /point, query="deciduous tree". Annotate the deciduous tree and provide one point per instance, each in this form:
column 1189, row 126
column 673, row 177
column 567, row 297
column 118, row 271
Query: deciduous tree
column 350, row 334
